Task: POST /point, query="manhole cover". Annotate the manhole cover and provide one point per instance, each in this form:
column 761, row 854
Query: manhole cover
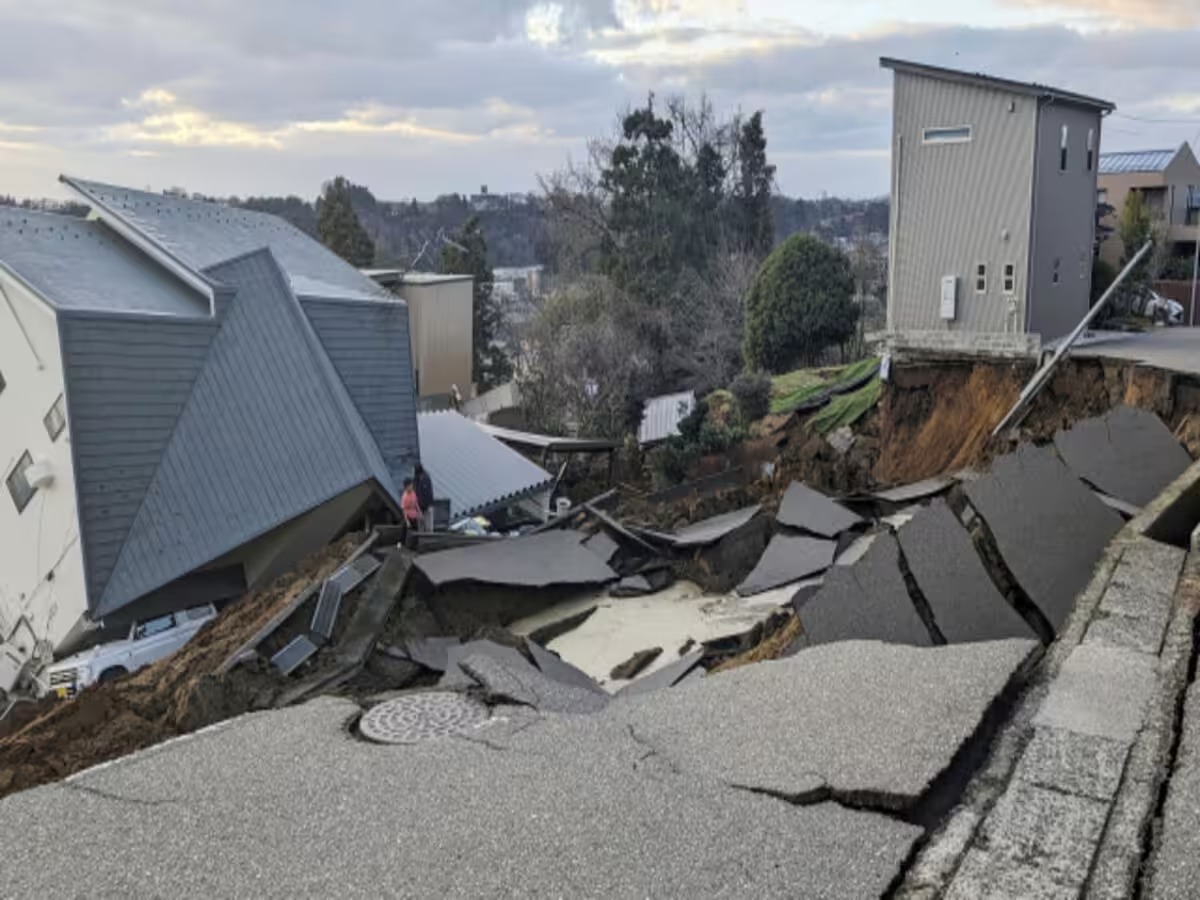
column 418, row 717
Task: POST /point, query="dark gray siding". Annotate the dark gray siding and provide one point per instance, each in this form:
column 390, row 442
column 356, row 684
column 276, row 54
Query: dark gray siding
column 958, row 205
column 127, row 382
column 368, row 344
column 267, row 435
column 1064, row 222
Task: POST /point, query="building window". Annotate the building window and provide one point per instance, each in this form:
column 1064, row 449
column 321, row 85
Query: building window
column 1062, row 151
column 957, row 134
column 2, row 383
column 1010, row 278
column 1083, row 265
column 19, row 487
column 981, row 278
column 56, row 420
column 1102, row 197
column 1091, row 148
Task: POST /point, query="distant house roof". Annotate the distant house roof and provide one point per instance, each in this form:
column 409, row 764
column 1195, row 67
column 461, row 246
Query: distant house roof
column 1129, row 161
column 389, row 277
column 1003, row 84
column 80, row 265
column 662, row 415
column 474, row 470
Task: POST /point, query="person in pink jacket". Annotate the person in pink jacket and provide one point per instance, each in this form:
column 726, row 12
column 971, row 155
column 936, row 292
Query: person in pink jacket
column 410, row 506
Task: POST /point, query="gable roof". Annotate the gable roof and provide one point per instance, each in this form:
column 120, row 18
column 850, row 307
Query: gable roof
column 202, row 234
column 241, row 462
column 1029, row 88
column 1129, row 161
column 474, row 470
column 76, row 264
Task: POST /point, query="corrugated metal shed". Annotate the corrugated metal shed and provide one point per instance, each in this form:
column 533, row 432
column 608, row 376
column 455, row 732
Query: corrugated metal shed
column 80, row 265
column 1135, row 161
column 472, row 468
column 662, row 415
column 268, row 433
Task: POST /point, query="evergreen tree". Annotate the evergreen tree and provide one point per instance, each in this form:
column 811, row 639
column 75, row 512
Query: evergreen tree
column 466, row 254
column 338, row 227
column 800, row 303
column 754, row 224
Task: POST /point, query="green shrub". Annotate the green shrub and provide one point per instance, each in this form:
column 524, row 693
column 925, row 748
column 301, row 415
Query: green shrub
column 752, row 390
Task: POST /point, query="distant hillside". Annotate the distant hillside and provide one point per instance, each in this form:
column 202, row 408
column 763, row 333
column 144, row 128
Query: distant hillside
column 513, row 224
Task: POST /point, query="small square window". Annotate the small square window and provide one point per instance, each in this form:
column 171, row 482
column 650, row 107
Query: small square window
column 56, row 420
column 1010, row 278
column 981, row 278
column 1091, row 148
column 19, row 487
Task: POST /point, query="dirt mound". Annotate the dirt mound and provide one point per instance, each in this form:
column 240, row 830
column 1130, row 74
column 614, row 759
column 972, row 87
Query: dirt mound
column 172, row 697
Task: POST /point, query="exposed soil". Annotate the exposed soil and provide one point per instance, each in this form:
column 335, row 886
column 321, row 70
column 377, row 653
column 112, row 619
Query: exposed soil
column 770, row 647
column 175, row 696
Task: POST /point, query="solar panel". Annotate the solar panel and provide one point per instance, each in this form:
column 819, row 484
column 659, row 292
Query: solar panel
column 294, row 654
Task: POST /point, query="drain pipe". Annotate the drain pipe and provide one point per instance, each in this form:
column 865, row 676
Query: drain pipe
column 1017, row 414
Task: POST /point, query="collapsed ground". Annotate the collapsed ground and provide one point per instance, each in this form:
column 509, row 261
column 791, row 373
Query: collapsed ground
column 930, row 420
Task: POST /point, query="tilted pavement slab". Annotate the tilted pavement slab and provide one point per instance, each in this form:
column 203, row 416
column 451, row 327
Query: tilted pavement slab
column 1050, row 529
column 865, row 601
column 962, row 596
column 787, row 559
column 1128, row 453
column 289, row 803
column 804, row 508
column 872, row 722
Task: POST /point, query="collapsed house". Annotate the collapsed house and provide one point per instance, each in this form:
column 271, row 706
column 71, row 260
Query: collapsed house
column 194, row 398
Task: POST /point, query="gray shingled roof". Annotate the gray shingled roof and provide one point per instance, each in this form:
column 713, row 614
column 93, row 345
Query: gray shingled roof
column 267, row 434
column 203, row 234
column 80, row 265
column 473, row 469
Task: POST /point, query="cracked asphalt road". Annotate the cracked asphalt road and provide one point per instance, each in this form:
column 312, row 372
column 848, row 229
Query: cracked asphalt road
column 616, row 804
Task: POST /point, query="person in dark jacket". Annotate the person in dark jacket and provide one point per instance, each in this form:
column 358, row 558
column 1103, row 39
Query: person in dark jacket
column 424, row 486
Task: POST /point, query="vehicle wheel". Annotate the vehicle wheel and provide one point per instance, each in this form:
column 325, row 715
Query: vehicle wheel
column 111, row 674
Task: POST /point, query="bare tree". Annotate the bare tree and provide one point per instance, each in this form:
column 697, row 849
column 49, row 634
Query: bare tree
column 708, row 329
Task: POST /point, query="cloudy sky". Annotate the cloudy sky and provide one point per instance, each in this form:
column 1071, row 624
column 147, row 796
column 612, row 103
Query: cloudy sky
column 421, row 97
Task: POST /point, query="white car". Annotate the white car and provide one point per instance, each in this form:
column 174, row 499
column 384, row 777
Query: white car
column 149, row 641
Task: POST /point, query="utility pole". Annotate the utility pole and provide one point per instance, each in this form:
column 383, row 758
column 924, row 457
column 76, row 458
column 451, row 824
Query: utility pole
column 1195, row 269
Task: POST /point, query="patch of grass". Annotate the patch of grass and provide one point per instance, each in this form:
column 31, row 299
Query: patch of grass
column 848, row 408
column 791, row 389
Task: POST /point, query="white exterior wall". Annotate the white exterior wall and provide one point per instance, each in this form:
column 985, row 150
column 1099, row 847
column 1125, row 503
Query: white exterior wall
column 41, row 560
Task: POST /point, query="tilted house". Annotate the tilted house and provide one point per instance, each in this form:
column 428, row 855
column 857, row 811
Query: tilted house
column 993, row 207
column 194, row 397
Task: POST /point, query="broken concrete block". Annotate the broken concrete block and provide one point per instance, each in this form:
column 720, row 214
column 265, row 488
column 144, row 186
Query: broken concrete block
column 1073, row 763
column 522, row 683
column 1049, row 528
column 707, row 531
column 1127, row 453
column 788, row 559
column 965, row 603
column 455, row 677
column 866, row 601
column 431, row 652
column 635, row 664
column 558, row 669
column 812, row 511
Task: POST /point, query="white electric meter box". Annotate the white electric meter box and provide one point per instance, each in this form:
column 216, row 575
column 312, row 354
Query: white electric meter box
column 949, row 297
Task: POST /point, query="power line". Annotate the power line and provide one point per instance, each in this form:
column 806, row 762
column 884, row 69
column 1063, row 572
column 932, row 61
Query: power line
column 1193, row 121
